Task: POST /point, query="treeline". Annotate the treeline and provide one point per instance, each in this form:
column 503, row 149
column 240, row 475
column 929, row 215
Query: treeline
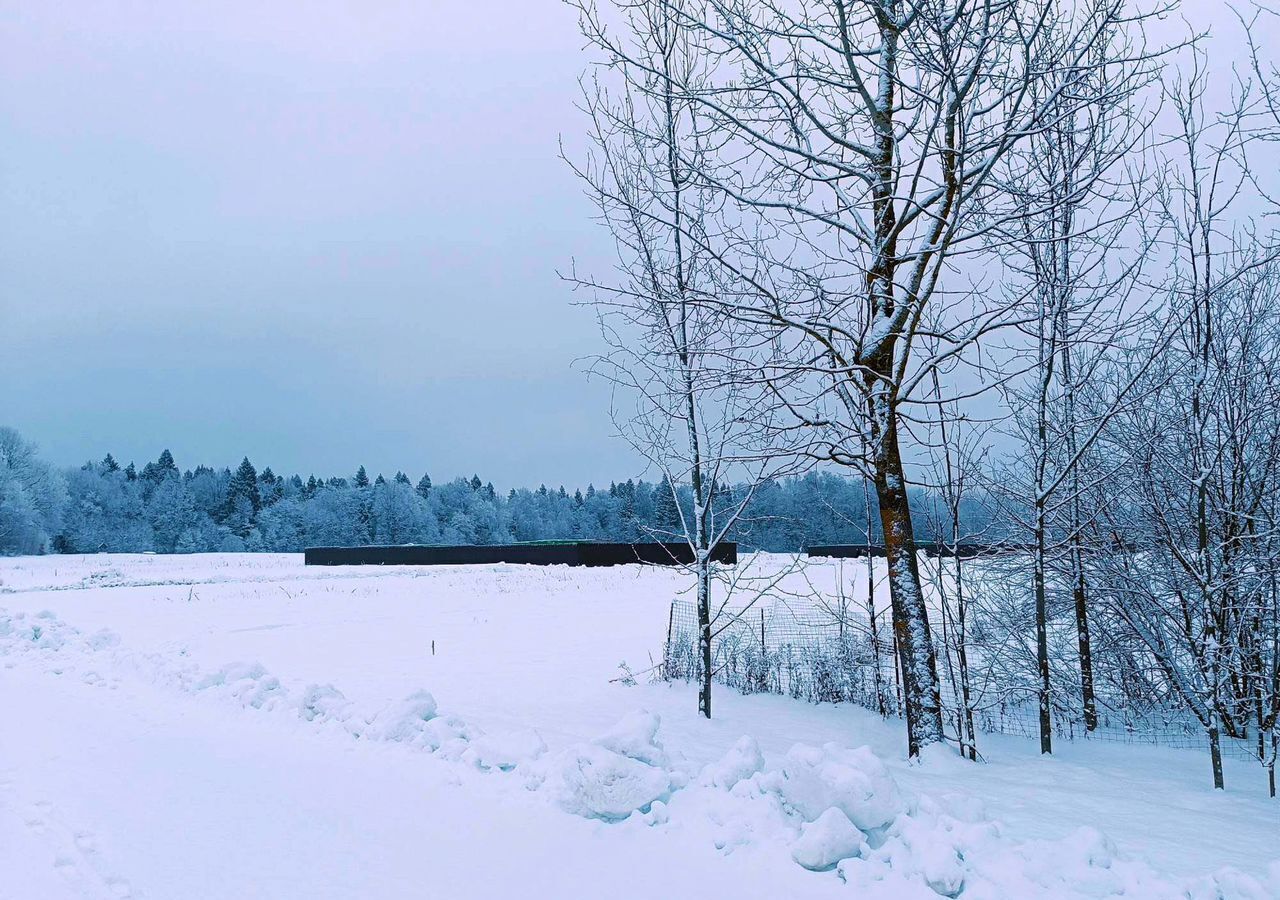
column 103, row 507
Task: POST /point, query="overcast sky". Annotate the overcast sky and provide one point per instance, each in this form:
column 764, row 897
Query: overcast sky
column 322, row 235
column 319, row 234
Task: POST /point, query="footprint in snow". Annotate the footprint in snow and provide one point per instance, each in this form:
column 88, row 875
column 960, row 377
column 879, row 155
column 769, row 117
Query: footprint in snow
column 75, row 854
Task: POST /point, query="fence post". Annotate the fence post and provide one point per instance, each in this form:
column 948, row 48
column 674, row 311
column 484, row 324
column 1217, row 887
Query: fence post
column 666, row 650
column 764, row 648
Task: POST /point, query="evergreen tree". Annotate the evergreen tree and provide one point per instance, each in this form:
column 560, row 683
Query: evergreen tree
column 244, row 483
column 476, row 483
column 271, row 487
column 130, row 473
column 109, row 464
column 401, row 478
column 156, row 472
column 666, row 514
column 424, row 486
column 166, row 464
column 379, row 479
column 362, row 478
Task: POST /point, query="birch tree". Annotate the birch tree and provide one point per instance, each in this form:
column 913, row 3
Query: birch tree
column 685, row 407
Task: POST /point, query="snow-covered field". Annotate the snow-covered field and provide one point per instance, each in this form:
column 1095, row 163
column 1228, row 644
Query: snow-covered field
column 240, row 726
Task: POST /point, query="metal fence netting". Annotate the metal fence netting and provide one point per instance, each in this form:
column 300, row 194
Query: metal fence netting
column 814, row 653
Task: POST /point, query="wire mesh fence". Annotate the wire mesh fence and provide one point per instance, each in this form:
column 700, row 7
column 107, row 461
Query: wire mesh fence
column 828, row 654
column 776, row 649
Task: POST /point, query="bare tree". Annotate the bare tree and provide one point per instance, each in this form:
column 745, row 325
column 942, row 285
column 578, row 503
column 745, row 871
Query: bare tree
column 1076, row 263
column 858, row 153
column 687, row 408
column 957, row 455
column 1204, row 442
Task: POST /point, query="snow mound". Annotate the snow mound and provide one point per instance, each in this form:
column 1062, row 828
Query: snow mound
column 506, row 752
column 248, row 682
column 595, row 782
column 22, row 633
column 815, row 779
column 406, row 721
column 619, row 773
column 827, row 840
column 323, row 702
column 635, row 736
column 743, row 760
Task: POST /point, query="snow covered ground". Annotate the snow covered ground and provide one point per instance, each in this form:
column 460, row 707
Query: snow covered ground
column 242, row 726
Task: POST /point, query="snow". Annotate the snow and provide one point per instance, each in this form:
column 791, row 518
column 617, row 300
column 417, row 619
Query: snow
column 827, row 840
column 596, row 782
column 853, row 781
column 239, row 725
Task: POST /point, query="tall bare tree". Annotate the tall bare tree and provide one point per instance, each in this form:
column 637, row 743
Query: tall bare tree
column 687, row 408
column 858, row 150
column 1076, row 266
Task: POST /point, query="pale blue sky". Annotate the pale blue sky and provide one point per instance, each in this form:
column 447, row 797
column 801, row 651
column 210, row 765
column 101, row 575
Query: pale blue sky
column 319, row 234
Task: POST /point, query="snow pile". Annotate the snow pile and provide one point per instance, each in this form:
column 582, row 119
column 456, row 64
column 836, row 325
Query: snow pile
column 505, row 752
column 635, row 736
column 743, row 760
column 595, row 782
column 620, row 773
column 324, row 702
column 21, row 633
column 827, row 840
column 835, row 811
column 249, row 683
column 846, row 812
column 853, row 781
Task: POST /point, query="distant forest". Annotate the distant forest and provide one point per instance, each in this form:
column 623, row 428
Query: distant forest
column 108, row 507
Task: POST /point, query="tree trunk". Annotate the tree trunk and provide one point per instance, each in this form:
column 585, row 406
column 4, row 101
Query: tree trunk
column 1082, row 640
column 920, row 692
column 1215, row 751
column 1271, row 762
column 881, row 704
column 962, row 657
column 1042, row 632
column 875, row 644
column 704, row 631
